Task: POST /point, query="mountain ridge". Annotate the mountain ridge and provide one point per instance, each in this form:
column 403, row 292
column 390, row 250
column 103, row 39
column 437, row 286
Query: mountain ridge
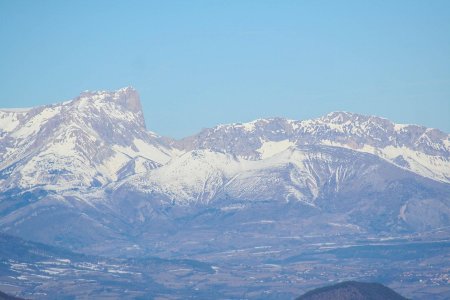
column 413, row 147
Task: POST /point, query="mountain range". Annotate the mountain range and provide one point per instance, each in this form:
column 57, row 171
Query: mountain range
column 89, row 156
column 87, row 175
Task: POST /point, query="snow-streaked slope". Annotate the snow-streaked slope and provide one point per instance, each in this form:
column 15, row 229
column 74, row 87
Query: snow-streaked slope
column 270, row 148
column 436, row 167
column 295, row 174
column 196, row 176
column 419, row 149
column 82, row 143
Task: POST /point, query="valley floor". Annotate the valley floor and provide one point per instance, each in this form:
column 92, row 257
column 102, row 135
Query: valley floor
column 282, row 269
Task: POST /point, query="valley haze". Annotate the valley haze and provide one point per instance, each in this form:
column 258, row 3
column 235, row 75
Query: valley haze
column 265, row 209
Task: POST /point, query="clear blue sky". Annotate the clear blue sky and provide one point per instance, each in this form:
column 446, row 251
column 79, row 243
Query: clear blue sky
column 200, row 63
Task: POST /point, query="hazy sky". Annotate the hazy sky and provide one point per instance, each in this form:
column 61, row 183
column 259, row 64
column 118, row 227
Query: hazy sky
column 200, row 63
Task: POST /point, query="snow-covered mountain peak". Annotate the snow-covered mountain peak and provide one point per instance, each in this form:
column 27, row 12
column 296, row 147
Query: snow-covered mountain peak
column 88, row 141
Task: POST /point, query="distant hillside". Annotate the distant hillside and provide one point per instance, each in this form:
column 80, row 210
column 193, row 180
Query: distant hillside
column 4, row 296
column 352, row 290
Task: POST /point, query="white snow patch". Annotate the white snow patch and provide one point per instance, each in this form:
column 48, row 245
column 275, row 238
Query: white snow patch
column 400, row 127
column 8, row 121
column 350, row 226
column 35, row 123
column 402, row 212
column 447, row 144
column 249, row 127
column 146, row 150
column 336, row 127
column 233, row 207
column 269, row 148
column 294, row 124
column 151, row 152
column 118, row 271
column 260, row 222
column 54, row 271
column 115, row 163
